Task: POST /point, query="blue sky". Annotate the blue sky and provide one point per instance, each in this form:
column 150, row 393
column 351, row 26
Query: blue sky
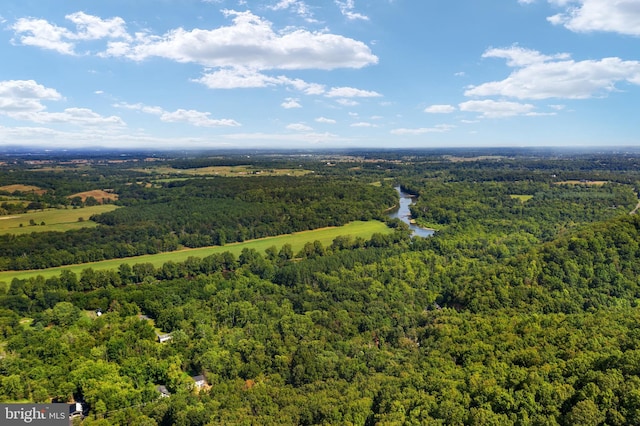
column 319, row 73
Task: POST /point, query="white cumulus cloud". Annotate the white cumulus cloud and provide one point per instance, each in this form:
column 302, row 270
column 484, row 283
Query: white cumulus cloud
column 25, row 95
column 193, row 117
column 325, row 120
column 41, row 33
column 347, row 102
column 23, row 100
column 440, row 128
column 350, row 92
column 155, row 110
column 234, row 78
column 517, row 56
column 75, row 116
column 619, row 16
column 250, row 42
column 440, row 109
column 243, row 78
column 496, row 109
column 290, row 103
column 243, row 54
column 89, row 27
column 299, row 127
column 196, row 118
column 538, row 76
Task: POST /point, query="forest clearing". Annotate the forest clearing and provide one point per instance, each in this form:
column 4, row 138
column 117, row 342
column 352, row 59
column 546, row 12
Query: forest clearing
column 297, row 241
column 227, row 171
column 101, row 196
column 52, row 220
column 22, row 188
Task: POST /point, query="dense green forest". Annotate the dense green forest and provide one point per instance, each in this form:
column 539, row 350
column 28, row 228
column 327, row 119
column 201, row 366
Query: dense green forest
column 522, row 309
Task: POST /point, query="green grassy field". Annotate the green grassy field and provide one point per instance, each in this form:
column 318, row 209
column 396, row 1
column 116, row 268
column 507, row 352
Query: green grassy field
column 582, row 182
column 54, row 219
column 228, row 171
column 379, row 183
column 522, row 198
column 297, row 241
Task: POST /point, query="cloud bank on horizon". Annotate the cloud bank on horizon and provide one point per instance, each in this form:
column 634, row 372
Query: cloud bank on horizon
column 315, row 74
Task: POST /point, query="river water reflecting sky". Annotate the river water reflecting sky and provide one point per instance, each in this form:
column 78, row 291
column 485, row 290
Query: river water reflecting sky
column 404, row 214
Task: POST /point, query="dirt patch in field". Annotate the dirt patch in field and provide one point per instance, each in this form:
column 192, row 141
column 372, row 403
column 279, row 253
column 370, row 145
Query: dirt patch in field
column 22, row 188
column 100, row 195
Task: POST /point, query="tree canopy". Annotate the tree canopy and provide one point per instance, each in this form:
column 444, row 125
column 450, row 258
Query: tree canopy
column 522, row 309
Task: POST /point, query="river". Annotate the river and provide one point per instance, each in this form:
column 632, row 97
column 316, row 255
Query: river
column 404, row 214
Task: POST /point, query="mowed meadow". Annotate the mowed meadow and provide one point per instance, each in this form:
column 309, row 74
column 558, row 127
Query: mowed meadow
column 52, row 220
column 227, row 171
column 362, row 229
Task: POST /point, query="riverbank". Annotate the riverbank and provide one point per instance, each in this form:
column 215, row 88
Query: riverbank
column 404, row 214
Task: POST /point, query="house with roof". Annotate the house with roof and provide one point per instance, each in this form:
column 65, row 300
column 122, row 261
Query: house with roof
column 76, row 409
column 164, row 392
column 199, row 382
column 162, row 338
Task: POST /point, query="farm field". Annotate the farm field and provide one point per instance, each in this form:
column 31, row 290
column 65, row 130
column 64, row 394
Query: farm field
column 297, row 241
column 582, row 182
column 54, row 220
column 226, row 171
column 99, row 194
column 22, row 188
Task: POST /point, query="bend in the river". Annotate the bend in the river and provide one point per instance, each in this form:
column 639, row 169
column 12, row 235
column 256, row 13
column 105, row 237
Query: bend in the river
column 404, row 214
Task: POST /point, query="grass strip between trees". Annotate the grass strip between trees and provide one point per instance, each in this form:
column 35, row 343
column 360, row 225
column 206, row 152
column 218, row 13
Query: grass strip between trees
column 297, row 241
